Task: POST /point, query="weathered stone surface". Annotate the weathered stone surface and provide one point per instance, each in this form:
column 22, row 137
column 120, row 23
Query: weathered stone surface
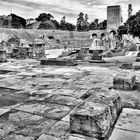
column 59, row 62
column 64, row 100
column 97, row 61
column 129, row 120
column 126, row 65
column 24, row 123
column 124, row 80
column 9, row 102
column 18, row 137
column 119, row 134
column 59, row 129
column 136, row 65
column 91, row 119
column 3, row 111
column 6, row 128
column 70, row 92
column 79, row 137
column 112, row 100
column 50, row 110
column 47, row 137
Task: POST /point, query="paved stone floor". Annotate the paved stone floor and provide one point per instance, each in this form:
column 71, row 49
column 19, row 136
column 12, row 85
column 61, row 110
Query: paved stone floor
column 35, row 100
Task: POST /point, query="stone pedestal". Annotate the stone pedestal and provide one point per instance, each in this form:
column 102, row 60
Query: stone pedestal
column 124, row 80
column 126, row 66
column 91, row 119
column 59, row 62
column 112, row 100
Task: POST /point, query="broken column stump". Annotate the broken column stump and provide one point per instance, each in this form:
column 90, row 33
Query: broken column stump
column 91, row 119
column 124, row 80
column 58, row 62
column 110, row 99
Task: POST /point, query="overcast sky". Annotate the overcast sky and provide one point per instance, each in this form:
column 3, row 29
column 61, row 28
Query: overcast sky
column 69, row 8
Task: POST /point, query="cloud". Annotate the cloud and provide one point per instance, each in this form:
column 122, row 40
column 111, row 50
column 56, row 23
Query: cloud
column 69, row 8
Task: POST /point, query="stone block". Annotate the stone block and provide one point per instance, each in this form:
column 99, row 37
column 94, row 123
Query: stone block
column 47, row 137
column 59, row 62
column 50, row 110
column 119, row 134
column 124, row 80
column 126, row 66
column 97, row 61
column 59, row 129
column 18, row 137
column 96, row 57
column 136, row 65
column 129, row 120
column 91, row 119
column 110, row 99
column 64, row 100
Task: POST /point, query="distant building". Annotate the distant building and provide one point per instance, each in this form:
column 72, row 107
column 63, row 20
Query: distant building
column 114, row 17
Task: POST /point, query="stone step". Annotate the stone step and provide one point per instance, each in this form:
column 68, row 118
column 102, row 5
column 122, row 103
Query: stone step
column 97, row 61
column 58, row 62
column 110, row 99
column 91, row 119
column 124, row 80
column 127, row 126
column 129, row 120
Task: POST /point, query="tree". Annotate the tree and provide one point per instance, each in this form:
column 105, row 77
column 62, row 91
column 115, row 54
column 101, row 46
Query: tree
column 102, row 25
column 63, row 23
column 122, row 30
column 133, row 24
column 44, row 17
column 56, row 23
column 92, row 26
column 86, row 24
column 80, row 21
column 96, row 21
column 70, row 26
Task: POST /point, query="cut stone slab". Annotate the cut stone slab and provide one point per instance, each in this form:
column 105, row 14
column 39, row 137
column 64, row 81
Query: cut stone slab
column 91, row 119
column 23, row 123
column 3, row 111
column 59, row 62
column 7, row 128
column 9, row 102
column 136, row 65
column 97, row 61
column 64, row 100
column 111, row 100
column 129, row 120
column 50, row 110
column 18, row 137
column 59, row 129
column 119, row 134
column 124, row 80
column 70, row 92
column 80, row 138
column 47, row 137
